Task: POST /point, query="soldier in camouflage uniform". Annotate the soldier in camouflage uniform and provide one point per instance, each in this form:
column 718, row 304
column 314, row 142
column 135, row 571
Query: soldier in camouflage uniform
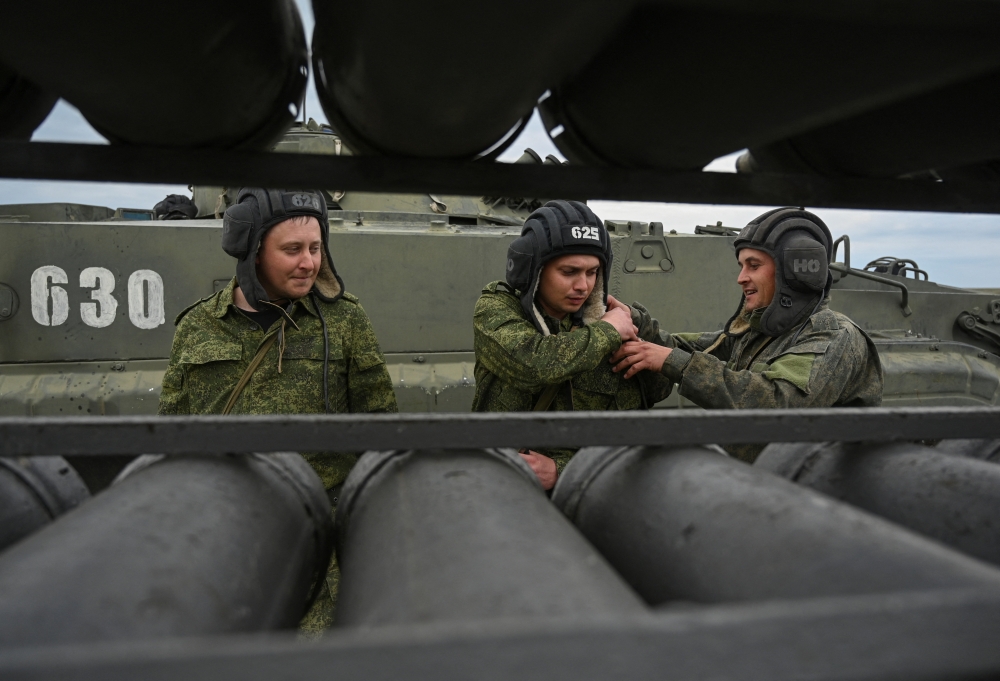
column 783, row 348
column 312, row 343
column 543, row 337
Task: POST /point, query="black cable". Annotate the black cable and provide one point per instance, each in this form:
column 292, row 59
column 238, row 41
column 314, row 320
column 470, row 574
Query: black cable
column 326, row 355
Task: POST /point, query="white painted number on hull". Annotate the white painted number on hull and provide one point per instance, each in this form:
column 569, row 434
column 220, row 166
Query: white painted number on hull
column 50, row 302
column 145, row 307
column 43, row 296
column 101, row 313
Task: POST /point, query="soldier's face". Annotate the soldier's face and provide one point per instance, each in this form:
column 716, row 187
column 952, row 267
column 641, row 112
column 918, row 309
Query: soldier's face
column 756, row 278
column 566, row 283
column 289, row 258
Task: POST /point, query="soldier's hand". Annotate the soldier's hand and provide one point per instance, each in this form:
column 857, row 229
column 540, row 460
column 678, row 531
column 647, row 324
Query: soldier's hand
column 636, row 356
column 614, row 304
column 621, row 319
column 543, row 467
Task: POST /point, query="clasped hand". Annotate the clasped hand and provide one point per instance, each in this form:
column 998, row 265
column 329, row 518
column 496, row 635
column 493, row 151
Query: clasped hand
column 620, row 317
column 635, row 354
column 639, row 355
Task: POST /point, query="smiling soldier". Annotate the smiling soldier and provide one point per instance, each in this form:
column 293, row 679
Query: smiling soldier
column 784, row 347
column 543, row 337
column 282, row 338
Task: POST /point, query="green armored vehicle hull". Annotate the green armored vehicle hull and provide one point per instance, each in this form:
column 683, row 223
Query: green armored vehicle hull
column 87, row 320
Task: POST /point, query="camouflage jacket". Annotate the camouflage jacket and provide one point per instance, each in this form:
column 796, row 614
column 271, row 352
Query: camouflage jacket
column 832, row 363
column 215, row 342
column 515, row 364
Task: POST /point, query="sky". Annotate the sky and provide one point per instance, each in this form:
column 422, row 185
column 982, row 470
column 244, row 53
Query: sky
column 957, row 250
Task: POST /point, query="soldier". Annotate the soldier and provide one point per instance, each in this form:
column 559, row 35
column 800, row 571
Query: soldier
column 283, row 337
column 784, row 347
column 543, row 337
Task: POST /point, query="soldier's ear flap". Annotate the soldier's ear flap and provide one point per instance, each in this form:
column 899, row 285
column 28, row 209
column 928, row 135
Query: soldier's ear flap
column 236, row 228
column 805, row 267
column 520, row 262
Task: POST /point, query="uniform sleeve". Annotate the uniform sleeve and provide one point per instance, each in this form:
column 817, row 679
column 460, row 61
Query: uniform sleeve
column 173, row 396
column 369, row 387
column 510, row 347
column 649, row 330
column 793, row 379
column 656, row 386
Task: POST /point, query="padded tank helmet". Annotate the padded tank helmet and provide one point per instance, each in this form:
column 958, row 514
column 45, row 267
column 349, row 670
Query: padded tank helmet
column 800, row 244
column 559, row 228
column 255, row 212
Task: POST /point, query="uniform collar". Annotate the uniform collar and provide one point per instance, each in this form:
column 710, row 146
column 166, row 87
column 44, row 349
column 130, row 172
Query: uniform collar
column 225, row 300
column 557, row 325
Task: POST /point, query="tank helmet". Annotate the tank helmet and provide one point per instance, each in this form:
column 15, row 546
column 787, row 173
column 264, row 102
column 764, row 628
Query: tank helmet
column 801, row 245
column 559, row 228
column 255, row 212
column 175, row 207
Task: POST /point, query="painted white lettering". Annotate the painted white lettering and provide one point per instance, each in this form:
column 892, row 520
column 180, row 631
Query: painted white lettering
column 145, row 299
column 805, row 266
column 101, row 313
column 42, row 294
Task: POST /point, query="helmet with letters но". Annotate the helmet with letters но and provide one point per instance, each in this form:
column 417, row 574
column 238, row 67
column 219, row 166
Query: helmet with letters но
column 800, row 244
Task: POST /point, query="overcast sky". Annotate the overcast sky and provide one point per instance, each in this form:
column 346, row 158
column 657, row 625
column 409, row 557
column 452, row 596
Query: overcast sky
column 958, row 250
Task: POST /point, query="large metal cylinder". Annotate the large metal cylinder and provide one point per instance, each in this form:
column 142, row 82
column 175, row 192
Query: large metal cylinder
column 462, row 535
column 34, row 491
column 952, row 499
column 414, row 91
column 23, row 106
column 205, row 73
column 693, row 524
column 645, row 101
column 945, row 128
column 185, row 546
column 985, row 450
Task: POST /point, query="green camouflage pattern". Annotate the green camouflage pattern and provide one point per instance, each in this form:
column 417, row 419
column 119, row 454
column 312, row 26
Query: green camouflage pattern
column 213, row 345
column 832, row 363
column 515, row 364
column 321, row 615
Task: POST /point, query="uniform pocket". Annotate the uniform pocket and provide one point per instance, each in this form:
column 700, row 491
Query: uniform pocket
column 301, row 346
column 367, row 360
column 204, row 353
column 597, row 389
column 600, row 380
column 818, row 346
column 303, row 367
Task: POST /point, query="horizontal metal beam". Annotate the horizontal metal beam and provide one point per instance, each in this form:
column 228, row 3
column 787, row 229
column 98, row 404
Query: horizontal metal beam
column 27, row 436
column 109, row 163
column 922, row 635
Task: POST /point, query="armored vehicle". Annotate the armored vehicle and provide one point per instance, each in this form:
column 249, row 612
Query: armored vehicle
column 861, row 544
column 88, row 321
